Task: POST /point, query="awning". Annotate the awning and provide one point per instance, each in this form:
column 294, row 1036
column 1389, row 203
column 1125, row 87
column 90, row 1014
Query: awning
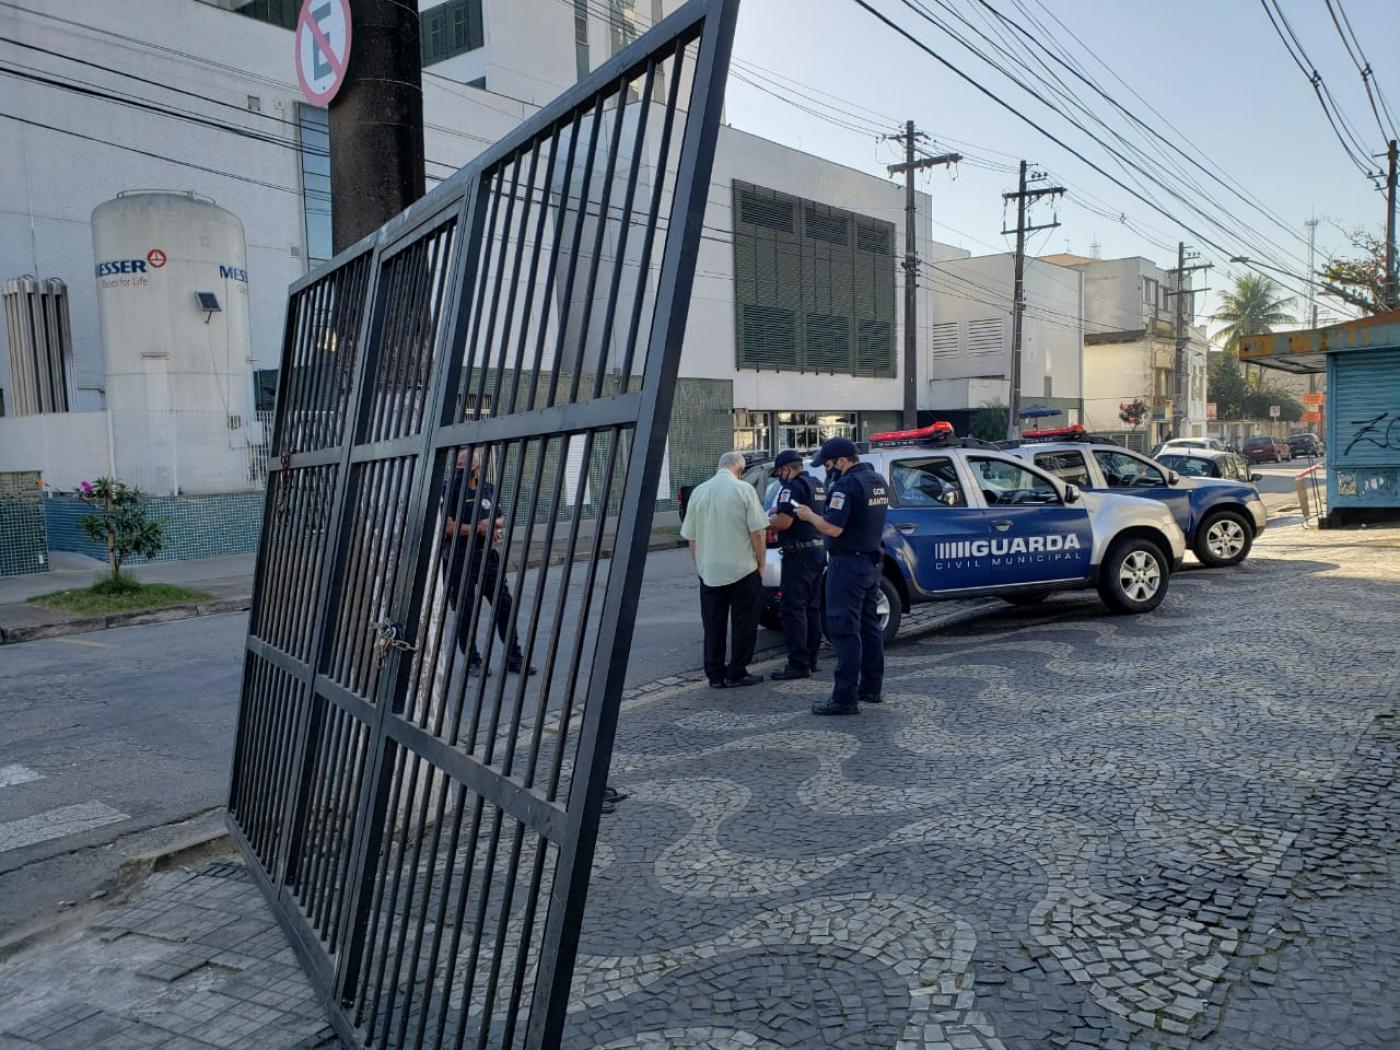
column 1306, row 351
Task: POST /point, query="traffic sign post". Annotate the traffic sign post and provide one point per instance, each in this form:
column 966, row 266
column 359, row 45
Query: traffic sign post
column 1275, row 411
column 322, row 48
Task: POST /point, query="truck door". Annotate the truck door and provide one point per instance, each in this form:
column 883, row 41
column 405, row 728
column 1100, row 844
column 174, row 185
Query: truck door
column 932, row 529
column 1035, row 536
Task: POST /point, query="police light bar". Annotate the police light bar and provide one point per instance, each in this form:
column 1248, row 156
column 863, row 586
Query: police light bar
column 933, row 434
column 1074, row 432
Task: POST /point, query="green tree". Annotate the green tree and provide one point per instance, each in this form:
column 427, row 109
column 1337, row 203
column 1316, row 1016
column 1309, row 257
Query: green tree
column 1236, row 397
column 121, row 522
column 1254, row 307
column 1226, row 384
column 989, row 421
column 1358, row 280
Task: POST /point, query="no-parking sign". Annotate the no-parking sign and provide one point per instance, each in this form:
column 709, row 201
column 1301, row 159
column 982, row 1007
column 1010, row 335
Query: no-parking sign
column 322, row 48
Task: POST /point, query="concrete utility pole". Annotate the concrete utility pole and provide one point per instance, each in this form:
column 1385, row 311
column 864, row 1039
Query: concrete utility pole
column 911, row 266
column 1183, row 338
column 376, row 122
column 1024, row 198
column 1392, row 279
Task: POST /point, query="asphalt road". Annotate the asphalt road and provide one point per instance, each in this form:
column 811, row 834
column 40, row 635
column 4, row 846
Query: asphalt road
column 111, row 738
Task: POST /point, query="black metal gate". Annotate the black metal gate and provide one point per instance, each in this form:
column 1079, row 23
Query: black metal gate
column 470, row 435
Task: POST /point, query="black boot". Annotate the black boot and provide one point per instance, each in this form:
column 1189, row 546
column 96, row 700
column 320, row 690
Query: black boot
column 831, row 707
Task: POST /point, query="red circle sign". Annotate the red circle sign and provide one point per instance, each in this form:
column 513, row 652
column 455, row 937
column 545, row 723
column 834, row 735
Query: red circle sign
column 322, row 42
column 156, row 258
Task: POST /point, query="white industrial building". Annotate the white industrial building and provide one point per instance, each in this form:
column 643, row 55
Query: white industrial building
column 199, row 97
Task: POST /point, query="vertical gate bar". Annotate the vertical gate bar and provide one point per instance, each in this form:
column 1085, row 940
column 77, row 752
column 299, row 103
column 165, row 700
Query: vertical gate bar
column 619, row 607
column 402, row 911
column 498, row 951
column 451, row 868
column 334, row 799
column 454, row 949
column 620, row 253
column 480, row 275
column 604, row 203
column 537, row 250
column 269, row 505
column 522, row 953
column 576, row 241
column 556, row 240
column 521, row 237
column 653, row 217
column 615, row 439
column 483, row 905
column 499, row 273
column 332, row 559
column 361, row 884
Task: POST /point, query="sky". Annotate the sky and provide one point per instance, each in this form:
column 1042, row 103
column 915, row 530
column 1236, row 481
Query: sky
column 1215, row 69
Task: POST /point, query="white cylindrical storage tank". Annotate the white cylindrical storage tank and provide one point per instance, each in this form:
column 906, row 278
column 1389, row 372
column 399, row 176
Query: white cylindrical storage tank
column 172, row 291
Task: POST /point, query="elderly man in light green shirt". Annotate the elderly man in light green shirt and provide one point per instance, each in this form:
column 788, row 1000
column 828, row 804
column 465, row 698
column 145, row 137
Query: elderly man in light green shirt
column 726, row 528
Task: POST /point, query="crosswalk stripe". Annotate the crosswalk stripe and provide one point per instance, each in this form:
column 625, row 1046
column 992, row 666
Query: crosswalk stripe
column 12, row 775
column 56, row 823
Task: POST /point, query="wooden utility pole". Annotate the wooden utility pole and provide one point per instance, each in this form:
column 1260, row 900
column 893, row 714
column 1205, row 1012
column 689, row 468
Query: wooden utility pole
column 1312, row 291
column 1392, row 279
column 1181, row 362
column 911, row 266
column 1024, row 198
column 376, row 122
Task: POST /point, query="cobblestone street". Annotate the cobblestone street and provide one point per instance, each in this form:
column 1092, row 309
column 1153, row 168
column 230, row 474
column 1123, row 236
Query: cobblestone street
column 1062, row 829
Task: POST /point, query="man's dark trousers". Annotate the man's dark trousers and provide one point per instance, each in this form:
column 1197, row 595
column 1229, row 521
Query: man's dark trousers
column 853, row 625
column 734, row 609
column 483, row 574
column 802, row 605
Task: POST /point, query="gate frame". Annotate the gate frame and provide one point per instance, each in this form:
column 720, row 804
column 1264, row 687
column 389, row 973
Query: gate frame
column 572, row 827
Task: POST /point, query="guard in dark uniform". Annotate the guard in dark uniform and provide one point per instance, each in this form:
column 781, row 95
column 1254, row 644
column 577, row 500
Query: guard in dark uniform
column 854, row 524
column 803, row 562
column 474, row 561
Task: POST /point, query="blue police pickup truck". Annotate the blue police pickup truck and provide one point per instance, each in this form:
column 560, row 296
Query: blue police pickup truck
column 1220, row 517
column 968, row 520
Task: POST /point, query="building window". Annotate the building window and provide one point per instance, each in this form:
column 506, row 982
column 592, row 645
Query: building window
column 449, row 29
column 622, row 23
column 581, row 57
column 265, row 390
column 275, row 12
column 753, row 431
column 807, row 430
column 1149, row 292
column 316, row 183
column 814, row 286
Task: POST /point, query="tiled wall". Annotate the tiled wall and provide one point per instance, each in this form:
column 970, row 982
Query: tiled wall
column 195, row 526
column 23, row 547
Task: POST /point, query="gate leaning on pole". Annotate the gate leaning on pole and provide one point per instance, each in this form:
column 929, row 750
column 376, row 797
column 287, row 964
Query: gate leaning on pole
column 424, row 832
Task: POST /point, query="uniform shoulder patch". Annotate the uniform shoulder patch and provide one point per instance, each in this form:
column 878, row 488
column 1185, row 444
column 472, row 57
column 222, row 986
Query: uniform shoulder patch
column 837, row 501
column 785, row 496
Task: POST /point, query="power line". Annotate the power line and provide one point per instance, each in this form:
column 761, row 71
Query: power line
column 1133, row 170
column 1354, row 150
column 1078, row 154
column 1363, row 66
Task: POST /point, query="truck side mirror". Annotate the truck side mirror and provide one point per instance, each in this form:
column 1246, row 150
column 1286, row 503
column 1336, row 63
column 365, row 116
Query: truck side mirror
column 1173, row 477
column 1071, row 493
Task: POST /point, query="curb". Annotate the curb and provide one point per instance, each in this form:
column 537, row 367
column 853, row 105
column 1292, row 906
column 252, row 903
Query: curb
column 12, row 635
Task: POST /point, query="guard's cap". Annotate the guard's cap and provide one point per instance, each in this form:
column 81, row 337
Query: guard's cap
column 786, row 458
column 835, row 448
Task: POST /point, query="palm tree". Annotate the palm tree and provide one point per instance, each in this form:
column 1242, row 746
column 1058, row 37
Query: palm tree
column 1255, row 307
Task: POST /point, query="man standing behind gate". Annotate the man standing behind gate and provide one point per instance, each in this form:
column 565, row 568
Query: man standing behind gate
column 726, row 526
column 462, row 548
column 854, row 525
column 803, row 561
